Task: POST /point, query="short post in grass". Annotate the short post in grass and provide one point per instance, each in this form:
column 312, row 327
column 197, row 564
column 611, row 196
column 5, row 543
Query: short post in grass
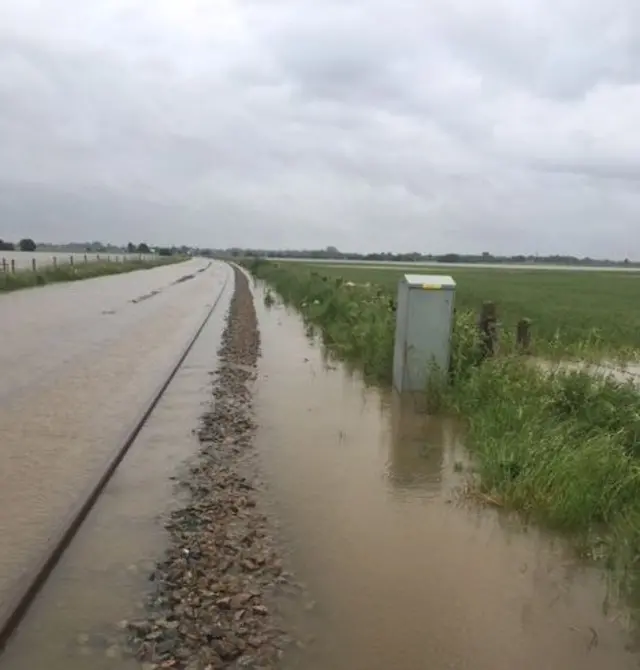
column 54, row 262
column 488, row 326
column 71, row 261
column 13, row 266
column 4, row 265
column 523, row 336
column 86, row 259
column 33, row 264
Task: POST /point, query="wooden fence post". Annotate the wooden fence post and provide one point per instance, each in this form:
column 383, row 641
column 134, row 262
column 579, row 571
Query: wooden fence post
column 488, row 325
column 33, row 264
column 523, row 336
column 54, row 262
column 71, row 261
column 4, row 265
column 13, row 266
column 86, row 260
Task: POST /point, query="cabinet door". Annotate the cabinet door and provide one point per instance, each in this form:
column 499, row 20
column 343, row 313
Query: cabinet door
column 428, row 334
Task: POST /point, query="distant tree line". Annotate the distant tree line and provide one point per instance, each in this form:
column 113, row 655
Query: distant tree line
column 142, row 248
column 328, row 253
column 27, row 244
column 332, row 253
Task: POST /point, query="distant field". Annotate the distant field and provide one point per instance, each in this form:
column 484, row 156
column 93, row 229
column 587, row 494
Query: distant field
column 595, row 310
column 446, row 267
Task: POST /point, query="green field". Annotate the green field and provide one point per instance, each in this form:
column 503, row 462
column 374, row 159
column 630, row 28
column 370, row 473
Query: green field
column 561, row 446
column 576, row 313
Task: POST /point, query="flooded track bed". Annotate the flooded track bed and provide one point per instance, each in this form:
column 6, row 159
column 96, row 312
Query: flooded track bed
column 212, row 605
column 403, row 573
column 79, row 619
column 215, row 572
column 79, row 364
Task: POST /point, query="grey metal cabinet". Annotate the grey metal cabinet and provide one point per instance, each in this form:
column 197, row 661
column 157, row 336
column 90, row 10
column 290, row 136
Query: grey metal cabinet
column 424, row 321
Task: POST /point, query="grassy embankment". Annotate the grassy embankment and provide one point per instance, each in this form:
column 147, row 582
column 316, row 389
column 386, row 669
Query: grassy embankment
column 562, row 447
column 49, row 274
column 582, row 314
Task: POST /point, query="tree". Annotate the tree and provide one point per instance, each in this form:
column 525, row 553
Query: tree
column 7, row 246
column 143, row 248
column 27, row 244
column 131, row 248
column 449, row 258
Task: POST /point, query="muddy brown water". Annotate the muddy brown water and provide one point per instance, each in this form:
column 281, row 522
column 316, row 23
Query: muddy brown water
column 79, row 363
column 400, row 572
column 103, row 577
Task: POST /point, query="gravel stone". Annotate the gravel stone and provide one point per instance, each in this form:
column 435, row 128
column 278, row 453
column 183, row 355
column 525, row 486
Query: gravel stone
column 212, row 603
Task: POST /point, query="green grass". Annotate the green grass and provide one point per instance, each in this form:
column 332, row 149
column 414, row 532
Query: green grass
column 579, row 314
column 563, row 447
column 66, row 273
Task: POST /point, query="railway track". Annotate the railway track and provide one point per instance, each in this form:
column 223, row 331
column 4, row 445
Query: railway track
column 22, row 595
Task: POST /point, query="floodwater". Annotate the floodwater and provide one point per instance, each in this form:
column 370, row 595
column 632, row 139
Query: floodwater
column 23, row 259
column 79, row 364
column 102, row 577
column 400, row 571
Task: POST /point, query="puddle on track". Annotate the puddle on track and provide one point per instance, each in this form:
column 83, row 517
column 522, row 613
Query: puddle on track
column 404, row 576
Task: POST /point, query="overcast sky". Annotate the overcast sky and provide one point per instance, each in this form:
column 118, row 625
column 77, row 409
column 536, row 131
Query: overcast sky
column 429, row 125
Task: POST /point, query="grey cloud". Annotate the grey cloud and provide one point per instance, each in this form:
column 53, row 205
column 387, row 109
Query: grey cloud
column 557, row 49
column 457, row 124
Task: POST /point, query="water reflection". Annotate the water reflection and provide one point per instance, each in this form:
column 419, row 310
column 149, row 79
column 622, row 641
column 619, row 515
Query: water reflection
column 418, row 444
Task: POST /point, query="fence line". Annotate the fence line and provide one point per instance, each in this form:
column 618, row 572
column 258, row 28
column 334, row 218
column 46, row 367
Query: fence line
column 8, row 265
column 489, row 328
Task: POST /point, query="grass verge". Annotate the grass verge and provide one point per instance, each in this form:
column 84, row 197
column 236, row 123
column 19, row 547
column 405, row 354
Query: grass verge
column 580, row 314
column 561, row 446
column 66, row 273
